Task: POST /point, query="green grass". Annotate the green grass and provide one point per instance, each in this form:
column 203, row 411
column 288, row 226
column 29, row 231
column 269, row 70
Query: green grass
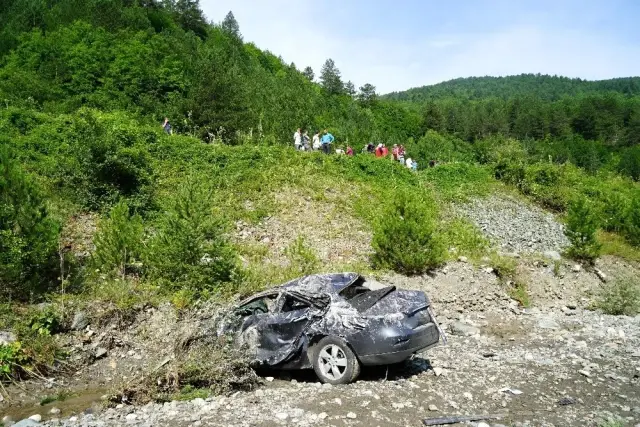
column 519, row 292
column 614, row 244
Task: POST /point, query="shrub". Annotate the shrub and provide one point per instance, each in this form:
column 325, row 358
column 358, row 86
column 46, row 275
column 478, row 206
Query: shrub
column 582, row 225
column 615, row 211
column 28, row 234
column 632, row 222
column 405, row 238
column 118, row 240
column 620, row 297
column 189, row 249
column 303, row 259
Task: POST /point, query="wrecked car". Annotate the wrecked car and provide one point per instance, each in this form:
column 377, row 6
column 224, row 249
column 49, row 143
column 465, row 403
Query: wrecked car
column 333, row 323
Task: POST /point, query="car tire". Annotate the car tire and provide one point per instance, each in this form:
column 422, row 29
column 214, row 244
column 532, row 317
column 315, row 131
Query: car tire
column 334, row 362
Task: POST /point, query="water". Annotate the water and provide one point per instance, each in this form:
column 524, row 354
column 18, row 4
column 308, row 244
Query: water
column 85, row 400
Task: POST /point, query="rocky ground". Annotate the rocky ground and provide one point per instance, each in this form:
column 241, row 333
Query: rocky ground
column 554, row 364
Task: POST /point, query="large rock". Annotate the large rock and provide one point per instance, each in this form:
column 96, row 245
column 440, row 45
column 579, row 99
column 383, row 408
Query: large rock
column 6, row 337
column 553, row 255
column 80, row 321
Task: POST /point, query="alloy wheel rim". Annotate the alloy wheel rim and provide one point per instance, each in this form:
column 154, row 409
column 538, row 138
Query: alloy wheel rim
column 333, row 362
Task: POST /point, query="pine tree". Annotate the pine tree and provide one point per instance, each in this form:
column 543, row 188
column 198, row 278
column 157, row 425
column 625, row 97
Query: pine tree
column 308, row 73
column 330, row 78
column 350, row 88
column 582, row 224
column 367, row 95
column 231, row 26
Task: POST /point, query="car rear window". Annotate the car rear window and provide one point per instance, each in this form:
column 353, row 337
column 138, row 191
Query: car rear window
column 361, row 297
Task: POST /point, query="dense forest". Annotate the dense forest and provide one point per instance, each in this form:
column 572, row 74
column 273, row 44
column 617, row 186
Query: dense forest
column 85, row 85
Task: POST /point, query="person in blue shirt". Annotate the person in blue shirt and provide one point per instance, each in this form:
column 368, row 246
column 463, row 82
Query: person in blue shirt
column 326, row 141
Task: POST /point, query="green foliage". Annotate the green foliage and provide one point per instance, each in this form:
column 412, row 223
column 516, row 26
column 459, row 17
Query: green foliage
column 303, row 259
column 28, row 233
column 620, row 297
column 118, row 241
column 519, row 292
column 582, row 225
column 503, row 266
column 405, row 238
column 465, row 238
column 189, row 249
column 12, row 356
column 615, row 211
column 45, row 322
column 632, row 223
column 58, row 397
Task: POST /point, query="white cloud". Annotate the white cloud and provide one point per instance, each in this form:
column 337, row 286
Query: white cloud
column 299, row 32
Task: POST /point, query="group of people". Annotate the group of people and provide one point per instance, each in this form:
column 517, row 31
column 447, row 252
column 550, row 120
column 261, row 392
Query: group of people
column 397, row 154
column 320, row 141
column 323, row 140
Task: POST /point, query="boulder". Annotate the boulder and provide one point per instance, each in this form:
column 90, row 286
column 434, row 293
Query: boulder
column 463, row 329
column 80, row 321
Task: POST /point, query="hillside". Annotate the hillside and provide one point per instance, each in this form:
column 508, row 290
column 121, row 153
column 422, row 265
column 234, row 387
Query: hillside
column 545, row 87
column 122, row 241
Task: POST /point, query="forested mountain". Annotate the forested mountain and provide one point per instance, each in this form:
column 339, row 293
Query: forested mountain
column 541, row 86
column 162, row 58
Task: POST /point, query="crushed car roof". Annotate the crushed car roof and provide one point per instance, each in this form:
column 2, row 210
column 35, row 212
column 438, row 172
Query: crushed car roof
column 322, row 283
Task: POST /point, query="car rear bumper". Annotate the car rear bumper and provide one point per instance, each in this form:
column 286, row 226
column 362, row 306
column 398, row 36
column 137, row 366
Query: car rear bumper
column 427, row 336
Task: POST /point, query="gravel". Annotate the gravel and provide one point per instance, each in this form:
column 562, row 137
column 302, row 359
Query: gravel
column 517, row 227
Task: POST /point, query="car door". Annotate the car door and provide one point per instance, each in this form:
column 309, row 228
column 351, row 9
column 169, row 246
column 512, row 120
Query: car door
column 279, row 334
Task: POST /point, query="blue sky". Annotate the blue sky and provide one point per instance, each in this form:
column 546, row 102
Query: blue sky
column 399, row 44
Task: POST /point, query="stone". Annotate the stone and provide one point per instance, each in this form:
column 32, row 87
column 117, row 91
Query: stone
column 6, row 337
column 433, row 408
column 576, row 268
column 37, row 418
column 326, row 386
column 282, row 416
column 80, row 321
column 322, row 415
column 198, row 401
column 467, row 395
column 268, row 379
column 462, row 329
column 131, row 417
column 463, row 259
column 27, row 423
column 73, row 419
column 437, row 371
column 548, row 323
column 338, row 401
column 585, row 373
column 54, row 411
column 100, row 352
column 481, row 424
column 553, row 255
column 352, row 415
column 601, row 275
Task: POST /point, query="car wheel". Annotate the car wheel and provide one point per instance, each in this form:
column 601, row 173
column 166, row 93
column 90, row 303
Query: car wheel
column 334, row 362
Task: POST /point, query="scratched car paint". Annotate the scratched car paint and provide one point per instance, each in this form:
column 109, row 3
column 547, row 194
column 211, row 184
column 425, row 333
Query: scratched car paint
column 356, row 322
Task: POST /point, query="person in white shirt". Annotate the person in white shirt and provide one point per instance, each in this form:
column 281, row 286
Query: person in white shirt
column 297, row 139
column 316, row 141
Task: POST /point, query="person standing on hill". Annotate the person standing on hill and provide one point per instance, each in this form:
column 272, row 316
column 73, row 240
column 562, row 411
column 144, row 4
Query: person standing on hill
column 349, row 150
column 306, row 146
column 395, row 152
column 316, row 141
column 385, row 151
column 167, row 126
column 326, row 141
column 297, row 139
column 379, row 150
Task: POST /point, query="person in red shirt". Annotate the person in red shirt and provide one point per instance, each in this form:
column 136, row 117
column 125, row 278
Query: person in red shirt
column 385, row 151
column 379, row 150
column 349, row 150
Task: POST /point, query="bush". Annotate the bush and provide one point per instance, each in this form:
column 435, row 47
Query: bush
column 28, row 234
column 620, row 297
column 303, row 259
column 582, row 225
column 405, row 238
column 118, row 240
column 614, row 212
column 189, row 249
column 632, row 222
